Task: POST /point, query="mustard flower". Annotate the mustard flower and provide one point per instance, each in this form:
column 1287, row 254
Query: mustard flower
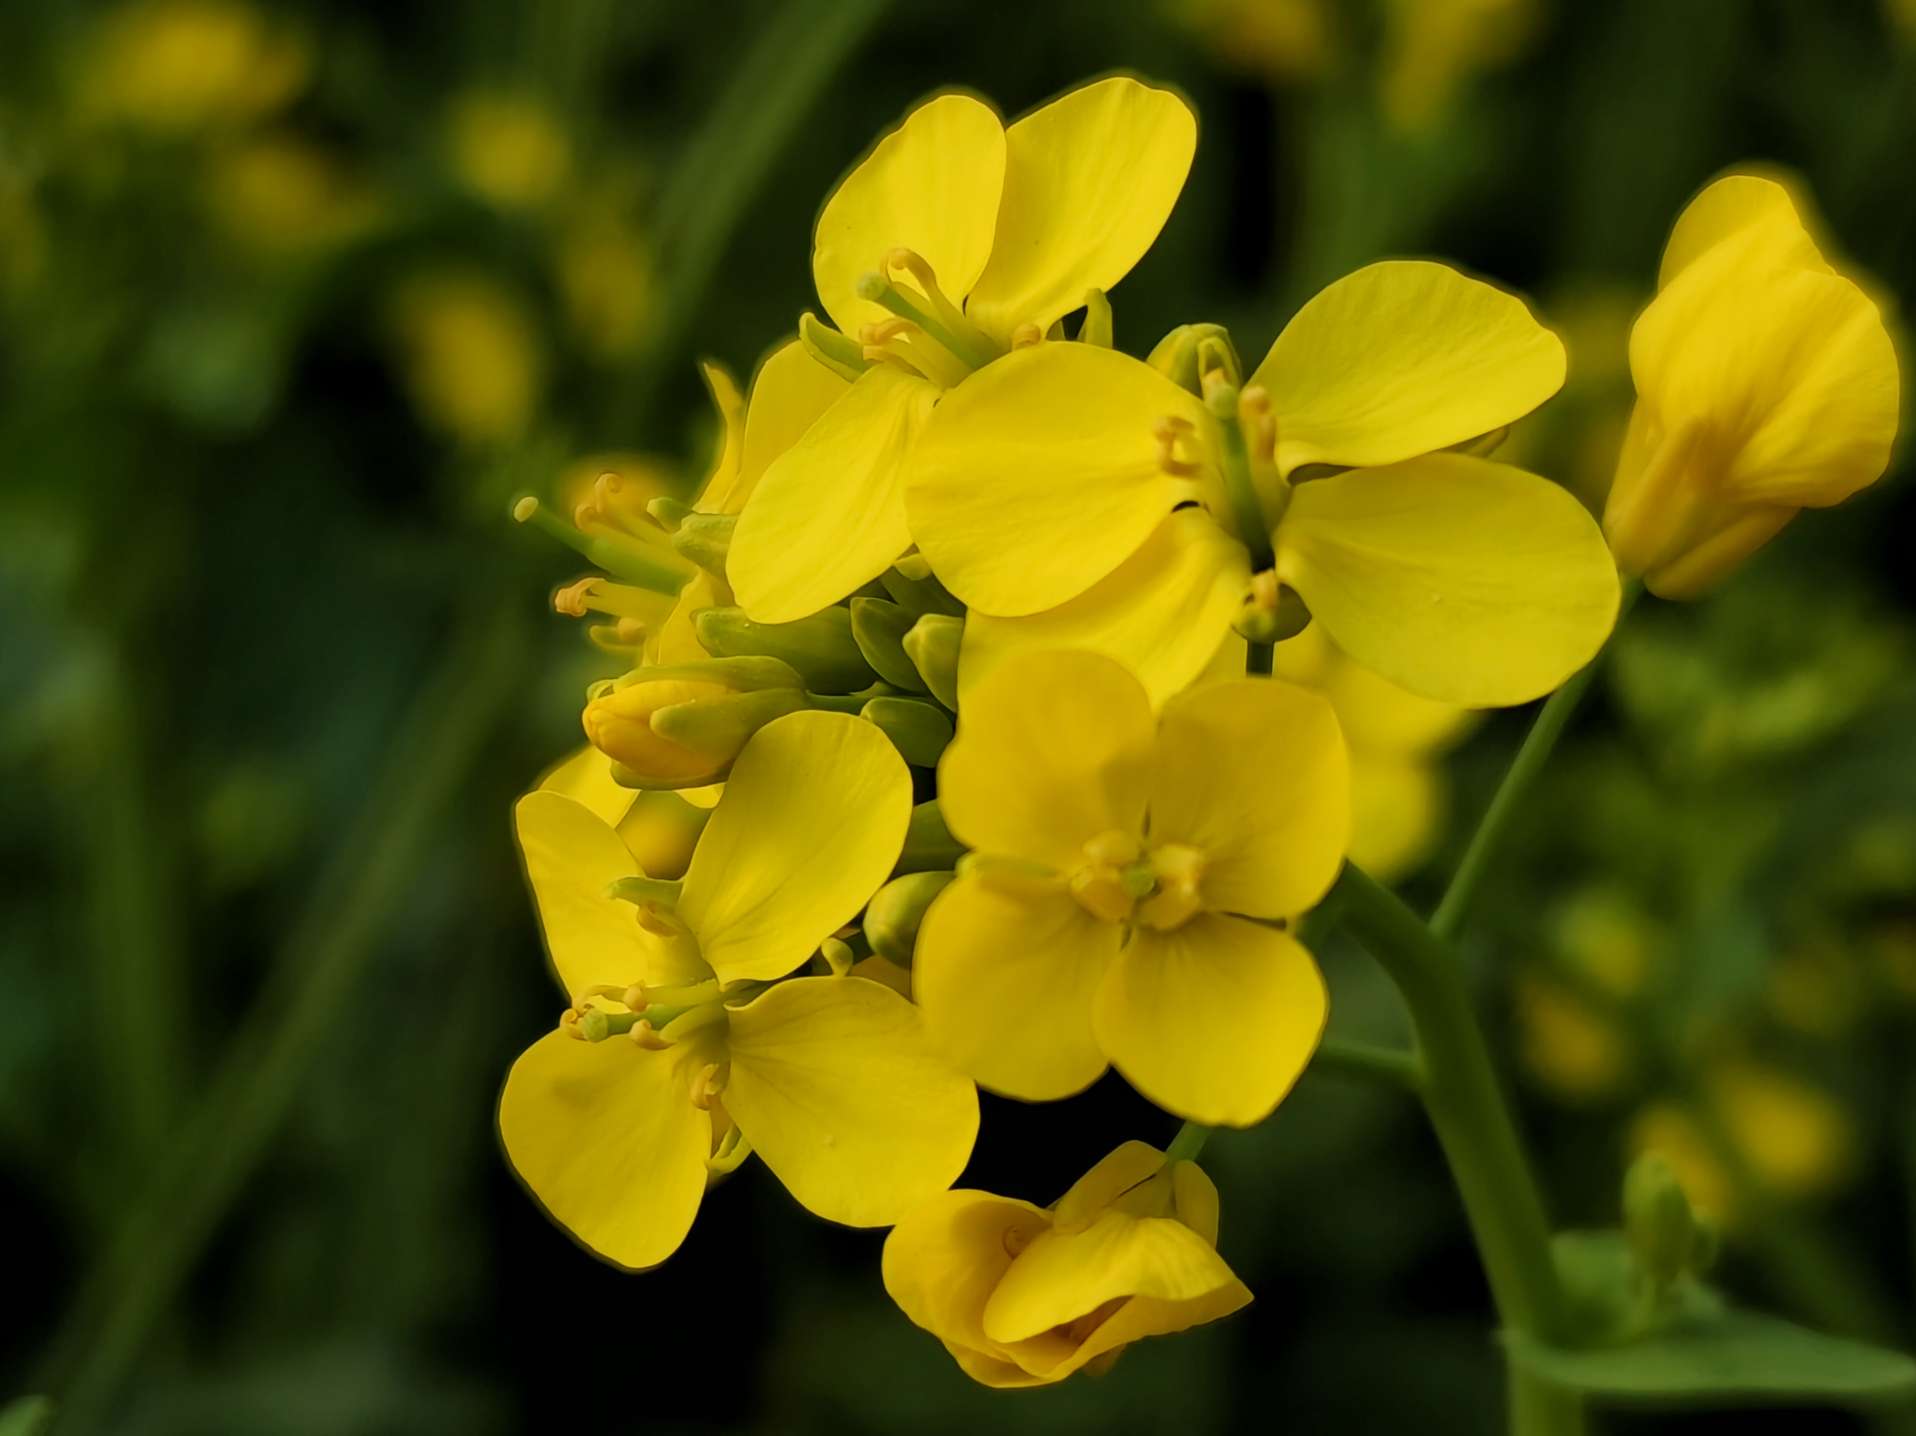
column 1132, row 877
column 1022, row 1295
column 683, row 1051
column 1766, row 383
column 956, row 238
column 1076, row 497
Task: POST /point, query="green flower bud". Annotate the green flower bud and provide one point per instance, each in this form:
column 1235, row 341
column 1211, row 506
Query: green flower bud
column 929, row 844
column 820, row 647
column 1658, row 1221
column 932, row 645
column 705, row 539
column 1185, row 354
column 892, row 918
column 681, row 726
column 918, row 592
column 879, row 628
column 918, row 730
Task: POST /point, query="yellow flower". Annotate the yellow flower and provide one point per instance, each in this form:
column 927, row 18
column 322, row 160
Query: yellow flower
column 1024, row 1296
column 1126, row 898
column 280, row 195
column 508, row 149
column 1076, row 497
column 180, row 65
column 1766, row 383
column 659, row 828
column 828, row 1079
column 471, row 354
column 1398, row 790
column 955, row 238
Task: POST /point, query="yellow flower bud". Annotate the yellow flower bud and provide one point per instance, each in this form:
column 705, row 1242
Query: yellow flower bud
column 620, row 726
column 1766, row 383
column 681, row 727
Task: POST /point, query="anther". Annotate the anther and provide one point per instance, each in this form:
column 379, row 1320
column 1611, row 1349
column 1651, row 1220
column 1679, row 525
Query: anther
column 1025, row 336
column 707, row 1086
column 634, row 997
column 1260, row 424
column 1168, row 431
column 644, row 1035
column 1015, row 1240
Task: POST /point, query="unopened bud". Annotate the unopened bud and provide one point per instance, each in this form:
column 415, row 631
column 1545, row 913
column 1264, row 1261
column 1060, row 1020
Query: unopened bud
column 1183, row 355
column 1658, row 1222
column 917, row 729
column 879, row 627
column 821, row 648
column 896, row 911
column 933, row 644
column 929, row 844
column 910, row 584
column 681, row 726
column 705, row 539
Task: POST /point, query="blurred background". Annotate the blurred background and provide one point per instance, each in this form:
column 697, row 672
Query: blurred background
column 295, row 297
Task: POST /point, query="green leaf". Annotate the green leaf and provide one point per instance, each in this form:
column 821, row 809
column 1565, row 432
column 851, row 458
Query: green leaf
column 1725, row 1356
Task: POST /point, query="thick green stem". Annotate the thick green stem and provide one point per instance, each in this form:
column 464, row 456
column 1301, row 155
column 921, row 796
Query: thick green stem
column 1187, row 1144
column 1474, row 1125
column 1523, row 773
column 1370, row 1062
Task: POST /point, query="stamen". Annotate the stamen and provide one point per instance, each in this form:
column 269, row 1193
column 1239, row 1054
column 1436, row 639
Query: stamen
column 1025, row 336
column 830, row 348
column 1260, row 424
column 1179, row 869
column 651, row 566
column 1016, row 1239
column 938, row 317
column 645, row 1035
column 708, row 1084
column 1169, row 431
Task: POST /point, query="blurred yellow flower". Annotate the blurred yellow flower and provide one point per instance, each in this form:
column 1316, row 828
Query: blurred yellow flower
column 282, row 195
column 1434, row 47
column 470, row 353
column 1075, row 497
column 1766, row 383
column 605, row 279
column 1399, row 793
column 1133, row 879
column 1022, row 1295
column 1796, row 1138
column 953, row 240
column 828, row 1079
column 507, row 148
column 1284, row 39
column 1573, row 1049
column 182, row 65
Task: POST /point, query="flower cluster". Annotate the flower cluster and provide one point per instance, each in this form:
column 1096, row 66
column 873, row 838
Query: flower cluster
column 958, row 548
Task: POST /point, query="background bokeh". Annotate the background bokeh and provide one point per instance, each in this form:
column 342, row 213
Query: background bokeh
column 295, row 297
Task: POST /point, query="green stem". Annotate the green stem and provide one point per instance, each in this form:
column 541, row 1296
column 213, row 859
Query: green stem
column 1369, row 1061
column 1474, row 1125
column 1187, row 1144
column 131, row 1288
column 1257, row 658
column 1522, row 775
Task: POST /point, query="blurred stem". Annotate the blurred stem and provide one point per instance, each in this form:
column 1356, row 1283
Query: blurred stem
column 1369, row 1061
column 1522, row 775
column 134, row 1284
column 1474, row 1126
column 1257, row 658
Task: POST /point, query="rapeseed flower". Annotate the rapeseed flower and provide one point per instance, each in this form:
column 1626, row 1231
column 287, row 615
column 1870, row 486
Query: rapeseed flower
column 828, row 1079
column 1076, row 497
column 1131, row 883
column 954, row 240
column 1766, row 384
column 1022, row 1295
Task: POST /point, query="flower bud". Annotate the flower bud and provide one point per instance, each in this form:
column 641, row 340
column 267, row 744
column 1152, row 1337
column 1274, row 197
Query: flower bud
column 681, row 726
column 918, row 730
column 821, row 648
column 895, row 912
column 932, row 645
column 1184, row 355
column 1658, row 1222
column 929, row 844
column 705, row 539
column 879, row 627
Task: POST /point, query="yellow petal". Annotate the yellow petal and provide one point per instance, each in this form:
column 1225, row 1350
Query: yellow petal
column 1125, row 1167
column 1397, row 811
column 1459, row 579
column 941, row 1262
column 1213, row 1020
column 606, row 1137
column 1728, row 207
column 586, row 778
column 676, row 640
column 1063, row 1276
column 1376, row 715
column 829, row 514
column 812, row 819
column 571, row 856
column 789, row 394
column 1053, row 749
column 1164, row 612
column 1006, row 982
column 1252, row 772
column 842, row 1096
column 1145, row 1316
column 1089, row 181
column 730, row 404
column 1403, row 358
column 931, row 185
column 1039, row 475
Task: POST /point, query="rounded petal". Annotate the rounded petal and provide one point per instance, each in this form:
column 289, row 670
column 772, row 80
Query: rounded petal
column 571, row 856
column 1007, row 982
column 1403, row 358
column 1728, row 207
column 1126, row 1167
column 1090, row 179
column 1164, row 612
column 829, row 514
column 940, row 1265
column 1039, row 474
column 606, row 1137
column 841, row 1095
column 1062, row 1276
column 1053, row 749
column 1144, row 1316
column 811, row 821
column 931, row 185
column 789, row 393
column 1253, row 773
column 1213, row 1020
column 1459, row 579
column 586, row 778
